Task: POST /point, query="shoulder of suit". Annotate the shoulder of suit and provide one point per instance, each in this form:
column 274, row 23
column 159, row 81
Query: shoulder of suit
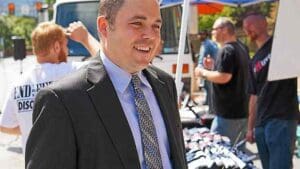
column 74, row 81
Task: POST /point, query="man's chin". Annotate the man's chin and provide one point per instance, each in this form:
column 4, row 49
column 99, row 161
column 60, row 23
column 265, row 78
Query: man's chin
column 141, row 66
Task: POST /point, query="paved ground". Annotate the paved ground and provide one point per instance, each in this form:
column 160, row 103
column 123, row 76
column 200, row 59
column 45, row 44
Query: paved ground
column 10, row 152
column 252, row 149
column 12, row 158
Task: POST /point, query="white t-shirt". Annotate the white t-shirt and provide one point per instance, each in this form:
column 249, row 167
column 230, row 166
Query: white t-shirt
column 18, row 105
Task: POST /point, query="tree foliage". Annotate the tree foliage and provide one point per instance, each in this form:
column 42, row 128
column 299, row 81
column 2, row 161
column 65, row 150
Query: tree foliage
column 237, row 14
column 50, row 7
column 5, row 34
column 16, row 26
column 50, row 1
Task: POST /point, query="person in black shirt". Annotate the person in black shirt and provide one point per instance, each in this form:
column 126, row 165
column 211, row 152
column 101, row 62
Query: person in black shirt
column 273, row 106
column 229, row 77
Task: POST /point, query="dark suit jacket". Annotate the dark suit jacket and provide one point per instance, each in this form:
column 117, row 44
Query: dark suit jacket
column 79, row 123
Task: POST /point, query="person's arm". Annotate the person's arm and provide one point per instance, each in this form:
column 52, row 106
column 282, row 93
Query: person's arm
column 9, row 123
column 223, row 67
column 213, row 76
column 78, row 32
column 13, row 131
column 202, row 54
column 51, row 143
column 251, row 119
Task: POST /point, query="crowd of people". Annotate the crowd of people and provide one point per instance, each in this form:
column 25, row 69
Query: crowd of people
column 245, row 103
column 117, row 110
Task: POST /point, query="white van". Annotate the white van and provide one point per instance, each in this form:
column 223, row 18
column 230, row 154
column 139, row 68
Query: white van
column 86, row 11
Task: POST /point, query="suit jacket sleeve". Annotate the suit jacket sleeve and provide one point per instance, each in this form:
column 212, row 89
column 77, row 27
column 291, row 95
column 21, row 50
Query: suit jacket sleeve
column 51, row 143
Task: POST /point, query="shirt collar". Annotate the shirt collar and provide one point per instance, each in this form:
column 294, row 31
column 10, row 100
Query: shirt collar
column 119, row 77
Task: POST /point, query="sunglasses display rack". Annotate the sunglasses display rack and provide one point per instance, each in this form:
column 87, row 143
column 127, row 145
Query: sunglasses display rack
column 205, row 150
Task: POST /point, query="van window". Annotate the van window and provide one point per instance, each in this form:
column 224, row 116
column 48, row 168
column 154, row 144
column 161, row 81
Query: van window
column 86, row 12
column 170, row 31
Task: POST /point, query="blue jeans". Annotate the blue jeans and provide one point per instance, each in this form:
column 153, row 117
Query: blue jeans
column 276, row 142
column 234, row 129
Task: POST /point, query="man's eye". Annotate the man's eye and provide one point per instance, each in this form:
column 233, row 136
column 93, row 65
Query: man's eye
column 157, row 26
column 136, row 23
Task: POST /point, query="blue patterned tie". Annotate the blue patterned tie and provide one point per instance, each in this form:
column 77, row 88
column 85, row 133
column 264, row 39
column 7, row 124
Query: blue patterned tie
column 147, row 128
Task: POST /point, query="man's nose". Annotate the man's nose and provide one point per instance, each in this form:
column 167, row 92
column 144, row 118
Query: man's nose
column 150, row 33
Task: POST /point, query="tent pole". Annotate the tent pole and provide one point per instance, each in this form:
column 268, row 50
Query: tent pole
column 182, row 39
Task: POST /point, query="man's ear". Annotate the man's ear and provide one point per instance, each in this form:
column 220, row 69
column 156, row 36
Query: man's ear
column 102, row 25
column 57, row 47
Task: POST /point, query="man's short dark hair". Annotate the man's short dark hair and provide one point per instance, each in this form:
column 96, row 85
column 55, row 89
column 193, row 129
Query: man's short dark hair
column 109, row 9
column 204, row 32
column 256, row 14
column 227, row 23
column 230, row 27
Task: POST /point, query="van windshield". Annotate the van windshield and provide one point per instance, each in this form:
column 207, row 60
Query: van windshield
column 170, row 31
column 86, row 12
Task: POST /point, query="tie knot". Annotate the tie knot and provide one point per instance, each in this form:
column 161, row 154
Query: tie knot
column 136, row 81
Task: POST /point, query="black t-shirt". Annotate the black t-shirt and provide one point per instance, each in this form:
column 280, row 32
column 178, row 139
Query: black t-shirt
column 275, row 99
column 230, row 100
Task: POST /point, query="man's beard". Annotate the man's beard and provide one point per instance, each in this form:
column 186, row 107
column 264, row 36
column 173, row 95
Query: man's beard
column 62, row 56
column 254, row 37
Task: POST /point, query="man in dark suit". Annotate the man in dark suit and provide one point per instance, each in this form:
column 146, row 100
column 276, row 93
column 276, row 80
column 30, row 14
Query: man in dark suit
column 116, row 113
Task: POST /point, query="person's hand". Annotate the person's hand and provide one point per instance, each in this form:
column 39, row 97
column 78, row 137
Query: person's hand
column 208, row 62
column 198, row 72
column 77, row 32
column 250, row 136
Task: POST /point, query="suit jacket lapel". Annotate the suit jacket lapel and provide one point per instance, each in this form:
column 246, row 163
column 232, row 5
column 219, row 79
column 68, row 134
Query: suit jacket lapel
column 161, row 92
column 108, row 107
